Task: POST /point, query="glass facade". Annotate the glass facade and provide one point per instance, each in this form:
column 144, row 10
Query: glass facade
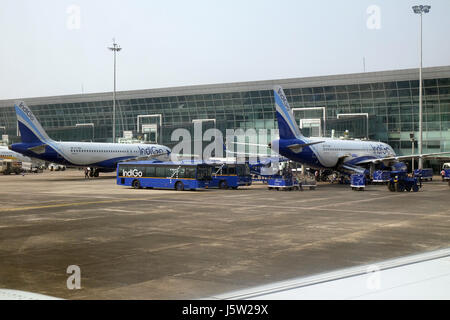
column 384, row 110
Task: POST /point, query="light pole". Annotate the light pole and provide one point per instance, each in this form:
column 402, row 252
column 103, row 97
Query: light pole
column 420, row 10
column 413, row 140
column 115, row 48
column 1, row 136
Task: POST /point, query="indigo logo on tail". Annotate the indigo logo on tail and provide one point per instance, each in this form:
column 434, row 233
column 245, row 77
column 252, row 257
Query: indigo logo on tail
column 283, row 98
column 26, row 110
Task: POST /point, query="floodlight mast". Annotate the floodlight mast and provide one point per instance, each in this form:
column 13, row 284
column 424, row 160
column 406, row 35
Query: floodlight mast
column 115, row 48
column 421, row 10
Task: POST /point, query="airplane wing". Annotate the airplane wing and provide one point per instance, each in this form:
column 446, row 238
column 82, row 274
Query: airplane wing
column 397, row 158
column 419, row 276
column 8, row 294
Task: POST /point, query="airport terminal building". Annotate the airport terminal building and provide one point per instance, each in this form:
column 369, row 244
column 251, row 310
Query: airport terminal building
column 380, row 106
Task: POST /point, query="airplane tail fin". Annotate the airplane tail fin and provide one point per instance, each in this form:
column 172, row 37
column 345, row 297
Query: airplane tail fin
column 30, row 129
column 286, row 121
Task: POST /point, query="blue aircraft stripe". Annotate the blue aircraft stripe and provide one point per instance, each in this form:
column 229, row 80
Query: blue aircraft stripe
column 25, row 117
column 288, row 116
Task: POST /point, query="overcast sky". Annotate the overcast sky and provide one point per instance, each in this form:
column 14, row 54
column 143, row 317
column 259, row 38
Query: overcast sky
column 58, row 47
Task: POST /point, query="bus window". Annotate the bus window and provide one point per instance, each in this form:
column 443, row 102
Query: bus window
column 182, row 173
column 150, row 171
column 190, row 173
column 231, row 170
column 160, row 172
column 217, row 170
column 203, row 173
column 243, row 170
column 172, row 172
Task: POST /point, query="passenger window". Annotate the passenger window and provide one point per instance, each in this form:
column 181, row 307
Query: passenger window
column 190, row 173
column 161, row 172
column 150, row 172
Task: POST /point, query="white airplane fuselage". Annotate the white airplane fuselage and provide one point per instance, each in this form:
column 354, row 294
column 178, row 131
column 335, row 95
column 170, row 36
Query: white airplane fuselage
column 6, row 154
column 331, row 152
column 83, row 154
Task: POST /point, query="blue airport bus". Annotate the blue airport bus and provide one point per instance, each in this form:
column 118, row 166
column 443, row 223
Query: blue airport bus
column 230, row 175
column 164, row 175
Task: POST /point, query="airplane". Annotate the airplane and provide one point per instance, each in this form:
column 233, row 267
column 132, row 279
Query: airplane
column 6, row 154
column 101, row 157
column 344, row 156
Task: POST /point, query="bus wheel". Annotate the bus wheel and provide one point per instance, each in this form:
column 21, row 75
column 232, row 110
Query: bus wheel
column 179, row 186
column 391, row 186
column 136, row 184
column 223, row 185
column 96, row 173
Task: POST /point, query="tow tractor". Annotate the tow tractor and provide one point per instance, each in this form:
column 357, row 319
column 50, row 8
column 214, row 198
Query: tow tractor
column 287, row 179
column 286, row 182
column 400, row 180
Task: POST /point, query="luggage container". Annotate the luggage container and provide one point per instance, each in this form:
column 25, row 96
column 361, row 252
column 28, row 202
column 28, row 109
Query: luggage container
column 381, row 176
column 358, row 182
column 424, row 174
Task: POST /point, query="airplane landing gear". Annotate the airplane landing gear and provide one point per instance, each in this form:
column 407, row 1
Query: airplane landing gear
column 94, row 173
